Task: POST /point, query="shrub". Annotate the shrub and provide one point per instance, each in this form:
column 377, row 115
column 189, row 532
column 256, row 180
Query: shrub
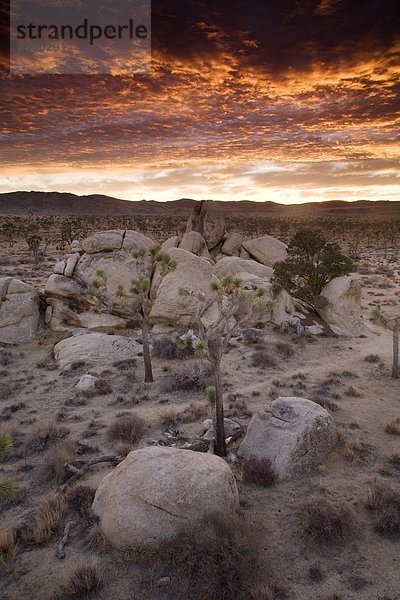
column 383, row 499
column 311, row 263
column 194, row 412
column 352, row 392
column 82, row 581
column 95, row 540
column 52, row 467
column 285, row 349
column 48, row 516
column 129, row 429
column 252, row 336
column 7, row 488
column 194, row 377
column 80, row 498
column 6, row 445
column 393, row 427
column 8, row 550
column 165, row 348
column 44, row 435
column 326, row 522
column 372, row 358
column 259, row 471
column 262, row 358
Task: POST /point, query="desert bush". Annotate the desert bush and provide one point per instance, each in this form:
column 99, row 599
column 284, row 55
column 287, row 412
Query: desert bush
column 125, row 365
column 372, row 358
column 194, row 412
column 354, row 448
column 82, row 581
column 394, row 461
column 52, row 467
column 163, row 347
column 352, row 392
column 80, row 499
column 193, row 377
column 259, row 471
column 95, row 540
column 217, row 559
column 393, row 427
column 383, row 498
column 252, row 336
column 285, row 349
column 45, row 434
column 168, row 416
column 5, row 357
column 262, row 358
column 48, row 516
column 8, row 549
column 129, row 429
column 325, row 522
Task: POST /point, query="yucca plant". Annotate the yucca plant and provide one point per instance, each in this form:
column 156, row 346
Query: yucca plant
column 7, row 487
column 6, row 445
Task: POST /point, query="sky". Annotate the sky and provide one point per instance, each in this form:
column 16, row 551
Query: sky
column 285, row 100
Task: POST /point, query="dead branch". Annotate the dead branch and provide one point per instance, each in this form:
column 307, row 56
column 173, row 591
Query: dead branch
column 64, row 540
column 78, row 472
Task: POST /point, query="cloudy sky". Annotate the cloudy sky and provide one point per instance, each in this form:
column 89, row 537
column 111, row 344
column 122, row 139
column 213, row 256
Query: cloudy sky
column 284, row 100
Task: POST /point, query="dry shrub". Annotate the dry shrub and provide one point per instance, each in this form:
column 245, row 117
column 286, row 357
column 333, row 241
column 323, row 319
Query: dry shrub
column 125, row 364
column 45, row 434
column 393, row 427
column 354, row 448
column 5, row 357
column 285, row 349
column 383, row 498
column 123, row 448
column 262, row 358
column 261, row 592
column 252, row 336
column 8, row 549
column 394, row 461
column 101, row 388
column 326, row 522
column 372, row 358
column 325, row 403
column 164, row 347
column 52, row 467
column 48, row 516
column 352, row 392
column 217, row 559
column 95, row 539
column 129, row 429
column 168, row 416
column 194, row 412
column 194, row 377
column 239, row 408
column 80, row 499
column 81, row 581
column 259, row 471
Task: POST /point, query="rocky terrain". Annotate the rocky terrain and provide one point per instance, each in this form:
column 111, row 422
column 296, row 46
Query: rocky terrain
column 310, row 488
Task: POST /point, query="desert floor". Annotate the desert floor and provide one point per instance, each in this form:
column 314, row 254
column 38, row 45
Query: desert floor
column 52, row 424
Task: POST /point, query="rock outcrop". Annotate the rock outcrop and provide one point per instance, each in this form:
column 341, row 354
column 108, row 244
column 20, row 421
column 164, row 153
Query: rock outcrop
column 295, row 435
column 19, row 311
column 95, row 349
column 266, row 250
column 207, row 220
column 156, row 492
column 343, row 311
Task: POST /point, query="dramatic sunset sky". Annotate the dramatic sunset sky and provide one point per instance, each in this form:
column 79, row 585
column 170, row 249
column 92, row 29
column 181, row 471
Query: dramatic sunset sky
column 284, row 100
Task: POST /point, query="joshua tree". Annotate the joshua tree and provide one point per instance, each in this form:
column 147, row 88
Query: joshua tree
column 310, row 265
column 150, row 261
column 235, row 308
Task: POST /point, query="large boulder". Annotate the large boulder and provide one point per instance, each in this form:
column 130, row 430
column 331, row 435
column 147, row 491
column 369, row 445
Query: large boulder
column 96, row 349
column 194, row 242
column 295, row 435
column 171, row 308
column 244, row 269
column 231, row 245
column 19, row 311
column 343, row 310
column 156, row 492
column 207, row 220
column 266, row 249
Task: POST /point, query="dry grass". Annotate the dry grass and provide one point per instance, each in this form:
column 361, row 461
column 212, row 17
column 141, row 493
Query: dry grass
column 192, row 377
column 8, row 550
column 81, row 581
column 354, row 448
column 383, row 498
column 194, row 412
column 48, row 516
column 52, row 467
column 393, row 427
column 262, row 358
column 325, row 522
column 45, row 434
column 285, row 349
column 168, row 416
column 129, row 429
column 80, row 499
column 259, row 471
column 95, row 539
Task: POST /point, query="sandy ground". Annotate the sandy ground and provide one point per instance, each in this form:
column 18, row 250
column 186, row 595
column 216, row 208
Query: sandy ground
column 33, row 392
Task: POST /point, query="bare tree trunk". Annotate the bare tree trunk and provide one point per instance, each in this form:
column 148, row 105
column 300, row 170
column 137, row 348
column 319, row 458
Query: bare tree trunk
column 220, row 446
column 148, row 371
column 395, row 368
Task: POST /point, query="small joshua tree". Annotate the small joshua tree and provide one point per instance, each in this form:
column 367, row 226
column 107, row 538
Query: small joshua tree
column 235, row 307
column 149, row 260
column 311, row 263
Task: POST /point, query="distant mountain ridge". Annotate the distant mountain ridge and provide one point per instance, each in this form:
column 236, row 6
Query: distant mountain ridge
column 64, row 204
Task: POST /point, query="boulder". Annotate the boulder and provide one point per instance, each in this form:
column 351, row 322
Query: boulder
column 242, row 268
column 19, row 311
column 266, row 249
column 231, row 245
column 156, row 492
column 87, row 384
column 232, row 429
column 72, row 259
column 295, row 435
column 59, row 286
column 103, row 241
column 195, row 243
column 170, row 308
column 95, row 349
column 172, row 242
column 343, row 311
column 207, row 220
column 133, row 240
column 66, row 316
